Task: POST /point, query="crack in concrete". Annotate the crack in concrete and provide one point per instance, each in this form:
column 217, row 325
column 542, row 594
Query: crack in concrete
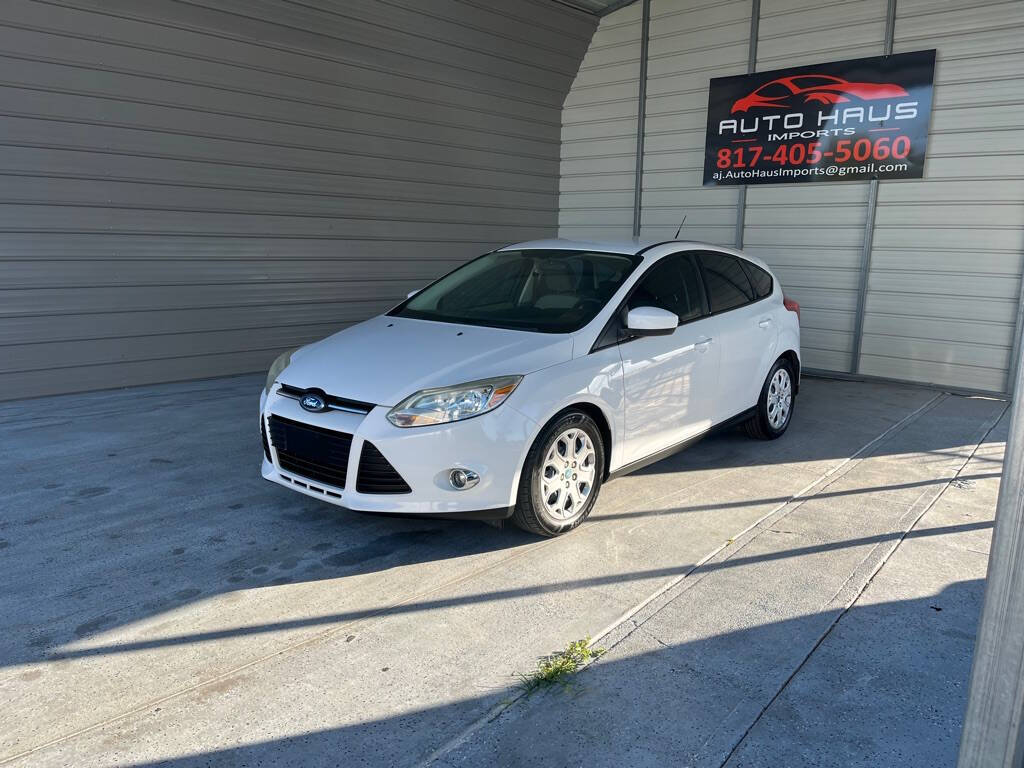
column 991, row 425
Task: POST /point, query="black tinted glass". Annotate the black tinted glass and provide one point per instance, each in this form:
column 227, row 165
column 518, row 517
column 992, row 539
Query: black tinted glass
column 814, row 81
column 760, row 279
column 773, row 90
column 673, row 284
column 728, row 285
column 548, row 291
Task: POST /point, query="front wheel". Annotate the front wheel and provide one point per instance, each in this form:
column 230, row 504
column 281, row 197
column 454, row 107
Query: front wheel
column 561, row 476
column 775, row 405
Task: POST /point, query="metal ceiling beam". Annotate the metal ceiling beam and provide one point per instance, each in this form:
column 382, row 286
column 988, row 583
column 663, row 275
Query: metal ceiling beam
column 608, row 7
column 614, row 6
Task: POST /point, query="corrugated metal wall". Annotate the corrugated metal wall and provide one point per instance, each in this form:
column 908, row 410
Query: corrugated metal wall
column 599, row 133
column 946, row 259
column 189, row 188
column 947, row 253
column 813, row 234
column 691, row 42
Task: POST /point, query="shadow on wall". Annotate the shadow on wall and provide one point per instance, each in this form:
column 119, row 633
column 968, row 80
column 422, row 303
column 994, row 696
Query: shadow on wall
column 888, row 687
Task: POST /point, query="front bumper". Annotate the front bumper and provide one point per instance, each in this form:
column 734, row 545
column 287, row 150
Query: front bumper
column 493, row 445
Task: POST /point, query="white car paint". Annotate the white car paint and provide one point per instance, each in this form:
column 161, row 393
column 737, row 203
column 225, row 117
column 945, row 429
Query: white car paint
column 748, row 337
column 654, row 392
column 385, row 359
column 671, row 387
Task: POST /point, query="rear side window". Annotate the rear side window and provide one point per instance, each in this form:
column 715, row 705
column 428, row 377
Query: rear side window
column 728, row 286
column 760, row 279
column 673, row 284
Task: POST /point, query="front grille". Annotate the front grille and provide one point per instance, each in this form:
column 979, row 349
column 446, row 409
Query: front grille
column 313, row 452
column 333, row 401
column 376, row 475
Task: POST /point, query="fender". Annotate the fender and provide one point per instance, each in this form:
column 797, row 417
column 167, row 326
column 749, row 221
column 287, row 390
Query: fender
column 789, row 341
column 597, row 384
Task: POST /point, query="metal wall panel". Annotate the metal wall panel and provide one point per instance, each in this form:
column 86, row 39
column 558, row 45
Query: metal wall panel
column 599, row 126
column 947, row 254
column 813, row 234
column 947, row 251
column 691, row 42
column 190, row 188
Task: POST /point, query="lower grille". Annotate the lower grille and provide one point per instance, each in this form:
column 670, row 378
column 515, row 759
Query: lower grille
column 263, row 434
column 313, row 452
column 376, row 475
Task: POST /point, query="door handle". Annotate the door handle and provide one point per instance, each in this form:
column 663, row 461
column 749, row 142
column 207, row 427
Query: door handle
column 703, row 344
column 765, row 323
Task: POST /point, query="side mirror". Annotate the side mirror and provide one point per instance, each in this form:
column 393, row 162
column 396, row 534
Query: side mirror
column 651, row 321
column 410, row 294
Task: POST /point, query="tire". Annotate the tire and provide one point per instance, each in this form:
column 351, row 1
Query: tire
column 550, row 476
column 777, row 393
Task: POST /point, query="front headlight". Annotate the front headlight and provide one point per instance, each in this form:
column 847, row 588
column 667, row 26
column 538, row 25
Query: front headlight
column 276, row 367
column 445, row 404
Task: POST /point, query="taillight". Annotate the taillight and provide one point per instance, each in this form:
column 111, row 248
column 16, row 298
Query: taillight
column 792, row 306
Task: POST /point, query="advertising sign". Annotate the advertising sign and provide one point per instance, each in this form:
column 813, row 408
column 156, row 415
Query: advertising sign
column 854, row 119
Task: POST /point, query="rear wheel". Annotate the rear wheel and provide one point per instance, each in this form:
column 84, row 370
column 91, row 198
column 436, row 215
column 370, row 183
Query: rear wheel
column 775, row 405
column 561, row 476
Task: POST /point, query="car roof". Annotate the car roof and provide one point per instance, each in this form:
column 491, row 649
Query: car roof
column 631, row 247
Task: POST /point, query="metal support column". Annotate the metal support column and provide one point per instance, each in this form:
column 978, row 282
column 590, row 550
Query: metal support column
column 741, row 200
column 641, row 116
column 1015, row 350
column 865, row 269
column 869, row 223
column 993, row 735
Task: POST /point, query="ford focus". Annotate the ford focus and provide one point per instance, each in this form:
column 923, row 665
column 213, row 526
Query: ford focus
column 516, row 385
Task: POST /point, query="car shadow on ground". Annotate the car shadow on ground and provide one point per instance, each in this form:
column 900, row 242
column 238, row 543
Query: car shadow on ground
column 425, row 606
column 855, row 703
column 122, row 506
column 119, row 514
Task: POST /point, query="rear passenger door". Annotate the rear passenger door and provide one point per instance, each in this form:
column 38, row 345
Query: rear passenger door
column 747, row 328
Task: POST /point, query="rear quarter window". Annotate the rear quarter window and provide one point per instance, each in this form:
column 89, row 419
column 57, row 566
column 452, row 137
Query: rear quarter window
column 759, row 279
column 728, row 285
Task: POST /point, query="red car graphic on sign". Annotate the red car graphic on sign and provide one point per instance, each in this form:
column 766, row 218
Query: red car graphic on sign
column 823, row 89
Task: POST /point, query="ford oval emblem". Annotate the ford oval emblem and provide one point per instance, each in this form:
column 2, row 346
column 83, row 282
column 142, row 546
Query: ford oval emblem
column 313, row 402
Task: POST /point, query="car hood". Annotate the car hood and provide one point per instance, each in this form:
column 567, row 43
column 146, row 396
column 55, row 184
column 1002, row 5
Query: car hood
column 386, row 359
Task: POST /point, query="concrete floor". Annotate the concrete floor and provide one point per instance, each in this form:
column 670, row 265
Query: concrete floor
column 806, row 601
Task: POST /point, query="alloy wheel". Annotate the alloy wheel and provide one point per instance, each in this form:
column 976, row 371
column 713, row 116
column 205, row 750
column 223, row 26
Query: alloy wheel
column 568, row 474
column 780, row 399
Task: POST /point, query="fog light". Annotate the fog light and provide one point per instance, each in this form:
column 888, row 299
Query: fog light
column 461, row 479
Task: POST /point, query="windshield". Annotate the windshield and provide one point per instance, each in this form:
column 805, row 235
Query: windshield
column 550, row 291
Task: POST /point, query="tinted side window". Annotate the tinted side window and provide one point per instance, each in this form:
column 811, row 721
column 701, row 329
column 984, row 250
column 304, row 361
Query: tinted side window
column 728, row 286
column 760, row 279
column 673, row 284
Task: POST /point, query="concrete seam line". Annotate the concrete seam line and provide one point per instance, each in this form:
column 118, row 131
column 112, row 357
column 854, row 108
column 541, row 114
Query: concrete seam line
column 827, row 473
column 326, row 634
column 779, row 512
column 496, row 711
column 319, row 636
column 345, row 627
column 931, row 495
column 849, row 603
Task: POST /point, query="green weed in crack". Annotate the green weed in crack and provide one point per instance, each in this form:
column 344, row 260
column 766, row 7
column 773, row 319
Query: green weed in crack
column 559, row 667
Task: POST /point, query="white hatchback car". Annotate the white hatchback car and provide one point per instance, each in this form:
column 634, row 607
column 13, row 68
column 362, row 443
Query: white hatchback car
column 518, row 383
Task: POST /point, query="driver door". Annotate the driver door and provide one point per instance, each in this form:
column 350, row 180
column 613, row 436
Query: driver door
column 670, row 381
